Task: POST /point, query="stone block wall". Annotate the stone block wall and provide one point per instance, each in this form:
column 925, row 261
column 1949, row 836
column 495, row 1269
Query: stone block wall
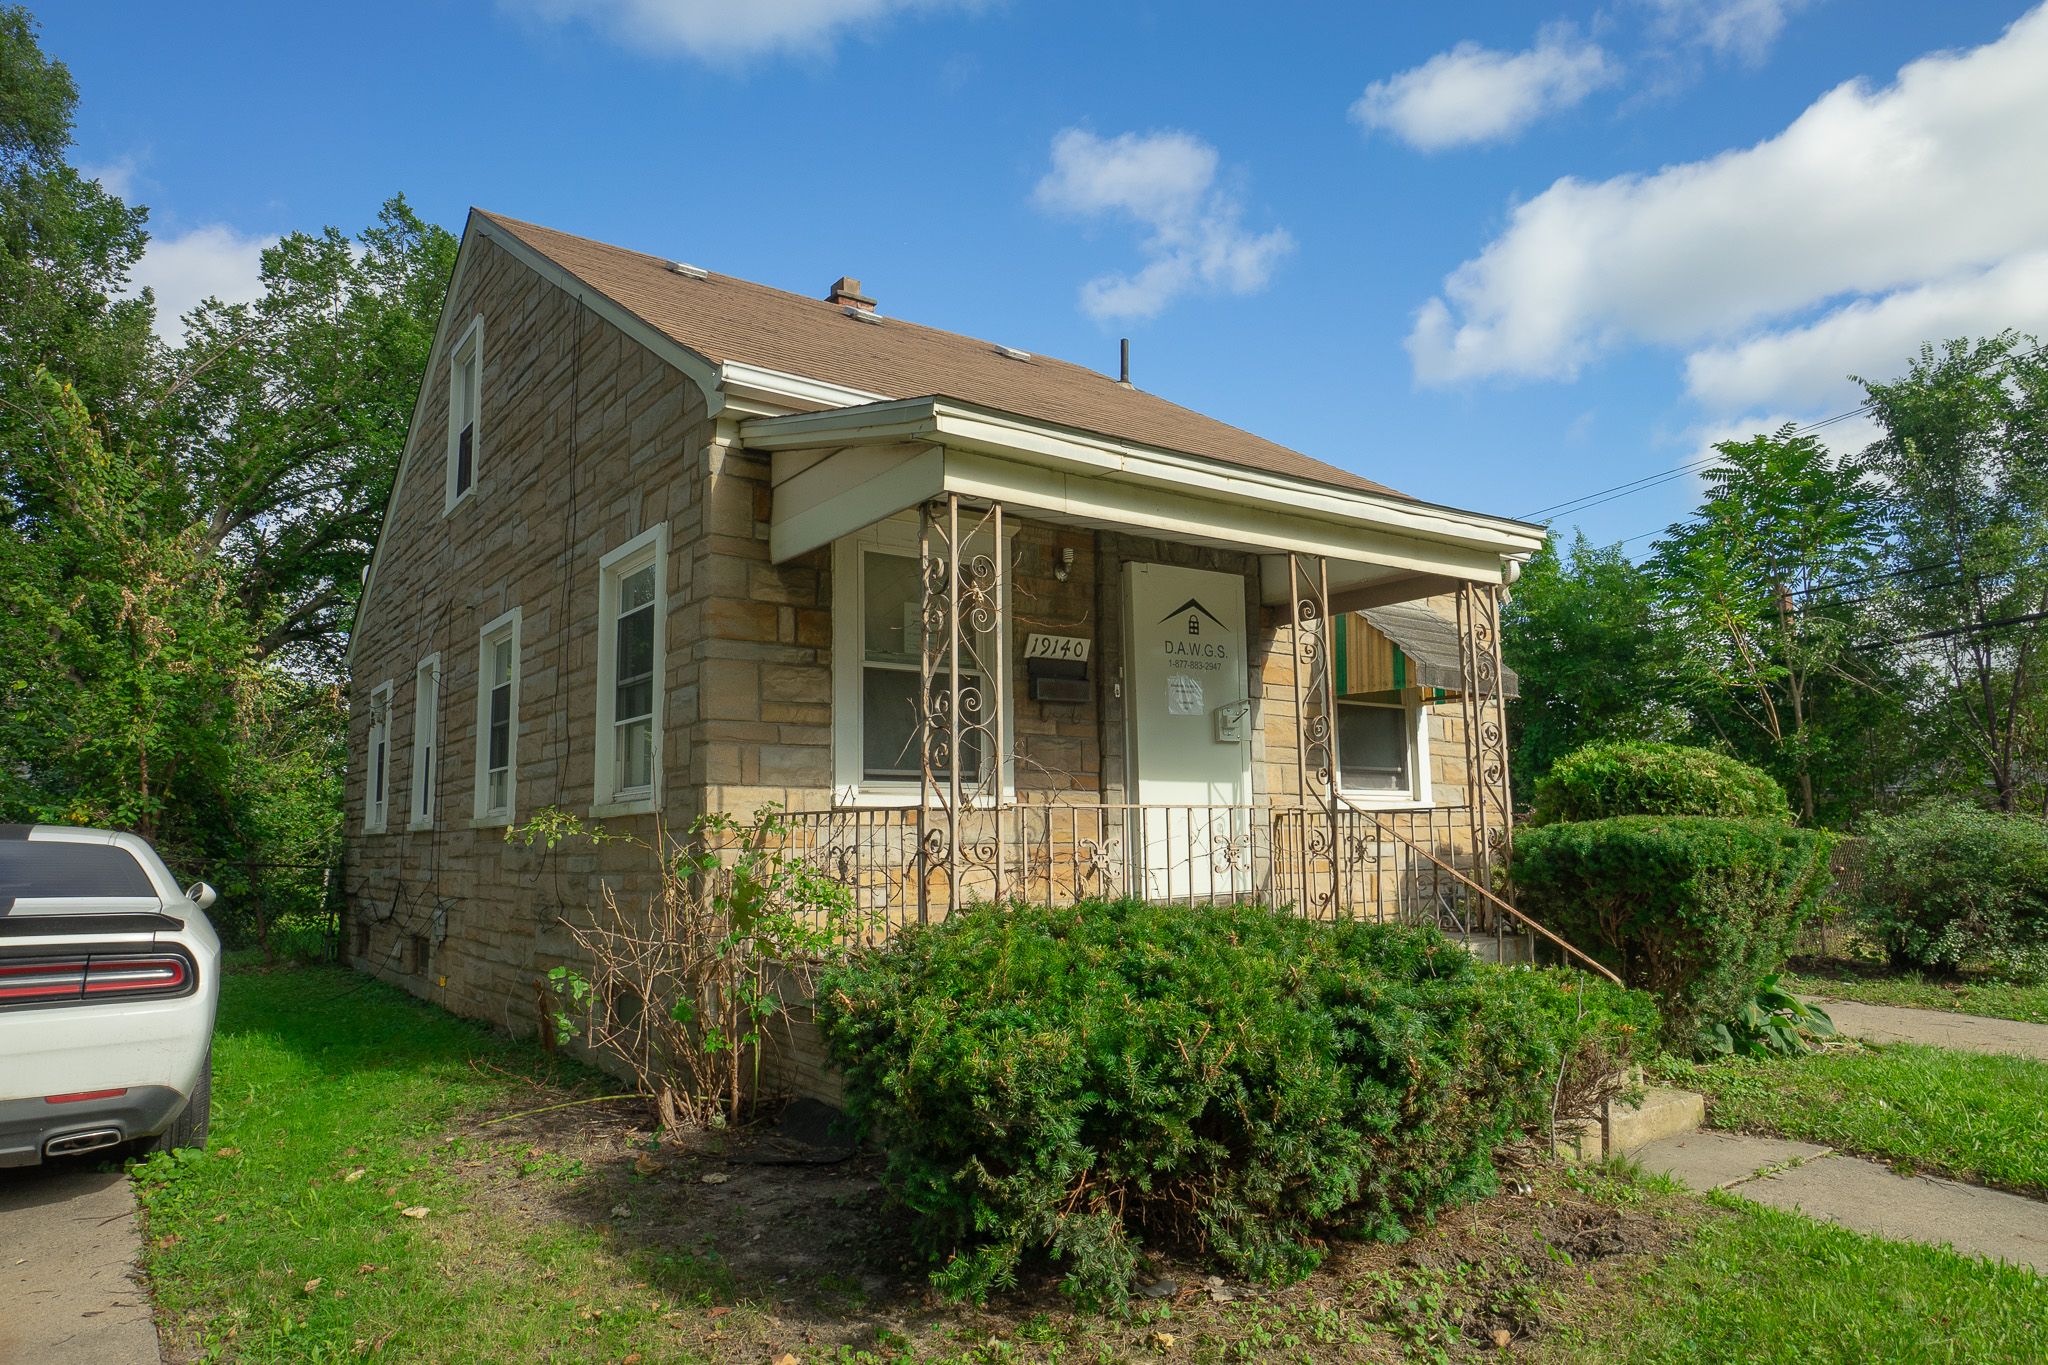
column 586, row 439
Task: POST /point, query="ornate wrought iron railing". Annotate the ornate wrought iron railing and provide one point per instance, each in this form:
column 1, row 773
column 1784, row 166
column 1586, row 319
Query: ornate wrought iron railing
column 902, row 867
column 1408, row 866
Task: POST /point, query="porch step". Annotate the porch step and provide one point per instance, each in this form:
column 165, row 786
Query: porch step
column 1628, row 1128
column 1509, row 949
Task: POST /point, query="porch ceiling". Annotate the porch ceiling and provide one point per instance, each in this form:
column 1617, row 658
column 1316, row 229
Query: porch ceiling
column 837, row 471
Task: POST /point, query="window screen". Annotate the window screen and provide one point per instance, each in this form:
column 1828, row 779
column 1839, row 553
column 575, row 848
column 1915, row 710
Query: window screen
column 1372, row 747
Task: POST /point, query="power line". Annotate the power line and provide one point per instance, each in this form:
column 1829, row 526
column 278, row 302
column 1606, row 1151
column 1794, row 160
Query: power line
column 1699, row 462
column 1693, row 465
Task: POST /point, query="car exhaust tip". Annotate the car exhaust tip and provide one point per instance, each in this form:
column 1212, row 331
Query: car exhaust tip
column 92, row 1140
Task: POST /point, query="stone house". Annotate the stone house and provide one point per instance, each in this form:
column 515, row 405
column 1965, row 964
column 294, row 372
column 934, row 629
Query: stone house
column 984, row 623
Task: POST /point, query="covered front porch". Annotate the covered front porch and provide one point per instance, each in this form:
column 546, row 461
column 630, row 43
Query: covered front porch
column 1254, row 734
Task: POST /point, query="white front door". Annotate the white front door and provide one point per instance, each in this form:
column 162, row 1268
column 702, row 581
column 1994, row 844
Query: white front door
column 1188, row 691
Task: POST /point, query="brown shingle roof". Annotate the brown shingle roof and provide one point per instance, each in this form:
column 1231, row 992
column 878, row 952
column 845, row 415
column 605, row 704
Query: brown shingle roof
column 722, row 318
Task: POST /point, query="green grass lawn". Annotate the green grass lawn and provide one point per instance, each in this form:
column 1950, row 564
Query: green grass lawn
column 335, row 1099
column 343, row 1108
column 1974, row 994
column 1980, row 1118
column 1761, row 1287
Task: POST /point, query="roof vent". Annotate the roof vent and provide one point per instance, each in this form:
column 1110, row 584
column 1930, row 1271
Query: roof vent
column 695, row 272
column 859, row 314
column 846, row 290
column 1012, row 352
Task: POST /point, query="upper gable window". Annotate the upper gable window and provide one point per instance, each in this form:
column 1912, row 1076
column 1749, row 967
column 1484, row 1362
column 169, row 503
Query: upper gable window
column 465, row 411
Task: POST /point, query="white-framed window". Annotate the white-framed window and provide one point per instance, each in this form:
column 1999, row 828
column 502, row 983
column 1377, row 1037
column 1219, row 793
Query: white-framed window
column 1383, row 751
column 426, row 726
column 465, row 412
column 377, row 762
column 632, row 612
column 497, row 719
column 877, row 642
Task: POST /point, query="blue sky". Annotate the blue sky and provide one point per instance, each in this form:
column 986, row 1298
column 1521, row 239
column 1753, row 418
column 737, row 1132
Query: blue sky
column 1496, row 255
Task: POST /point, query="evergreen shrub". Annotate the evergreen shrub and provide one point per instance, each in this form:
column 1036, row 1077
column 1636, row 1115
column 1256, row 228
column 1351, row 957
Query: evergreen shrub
column 1633, row 777
column 1073, row 1082
column 1695, row 910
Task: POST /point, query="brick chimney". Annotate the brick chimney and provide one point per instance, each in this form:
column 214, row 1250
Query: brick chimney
column 846, row 293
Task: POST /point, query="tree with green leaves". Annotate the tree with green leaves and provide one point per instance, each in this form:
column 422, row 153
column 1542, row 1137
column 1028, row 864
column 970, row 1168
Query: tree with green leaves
column 67, row 248
column 289, row 415
column 183, row 531
column 1762, row 581
column 127, row 654
column 1964, row 462
column 1581, row 630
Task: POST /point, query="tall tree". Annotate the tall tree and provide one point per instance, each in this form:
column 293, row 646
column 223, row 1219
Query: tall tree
column 66, row 250
column 1762, row 579
column 1964, row 460
column 126, row 651
column 289, row 416
column 1581, row 631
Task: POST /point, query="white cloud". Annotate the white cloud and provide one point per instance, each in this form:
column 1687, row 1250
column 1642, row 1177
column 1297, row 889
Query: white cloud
column 1875, row 338
column 208, row 262
column 1480, row 94
column 1866, row 193
column 1744, row 29
column 116, row 177
column 721, row 31
column 1165, row 182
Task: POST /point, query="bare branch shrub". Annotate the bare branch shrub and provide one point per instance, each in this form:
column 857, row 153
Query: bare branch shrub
column 682, row 985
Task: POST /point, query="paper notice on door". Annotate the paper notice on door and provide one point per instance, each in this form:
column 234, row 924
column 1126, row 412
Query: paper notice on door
column 1183, row 695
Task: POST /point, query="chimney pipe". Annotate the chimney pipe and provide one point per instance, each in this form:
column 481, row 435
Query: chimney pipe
column 1125, row 377
column 846, row 293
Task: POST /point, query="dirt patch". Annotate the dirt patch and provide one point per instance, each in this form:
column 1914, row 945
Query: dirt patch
column 762, row 1252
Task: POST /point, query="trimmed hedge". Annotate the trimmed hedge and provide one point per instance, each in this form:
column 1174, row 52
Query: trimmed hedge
column 1948, row 882
column 1067, row 1082
column 1630, row 777
column 1695, row 910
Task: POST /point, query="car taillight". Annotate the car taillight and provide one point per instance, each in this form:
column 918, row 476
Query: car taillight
column 69, row 979
column 160, row 974
column 39, row 981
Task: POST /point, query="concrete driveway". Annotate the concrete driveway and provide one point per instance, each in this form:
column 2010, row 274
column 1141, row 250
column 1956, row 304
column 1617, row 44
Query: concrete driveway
column 69, row 1242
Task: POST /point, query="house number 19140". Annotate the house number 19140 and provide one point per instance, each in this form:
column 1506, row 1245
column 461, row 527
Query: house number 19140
column 1074, row 647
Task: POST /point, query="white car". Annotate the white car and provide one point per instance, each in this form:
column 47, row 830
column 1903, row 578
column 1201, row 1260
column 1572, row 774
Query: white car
column 109, row 977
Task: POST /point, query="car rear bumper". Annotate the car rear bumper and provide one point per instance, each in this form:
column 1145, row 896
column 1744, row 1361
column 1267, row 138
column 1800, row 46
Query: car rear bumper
column 28, row 1127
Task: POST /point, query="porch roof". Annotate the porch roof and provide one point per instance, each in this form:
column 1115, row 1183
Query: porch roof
column 842, row 469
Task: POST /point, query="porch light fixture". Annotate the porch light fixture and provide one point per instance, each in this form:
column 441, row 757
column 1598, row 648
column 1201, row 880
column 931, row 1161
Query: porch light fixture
column 1066, row 565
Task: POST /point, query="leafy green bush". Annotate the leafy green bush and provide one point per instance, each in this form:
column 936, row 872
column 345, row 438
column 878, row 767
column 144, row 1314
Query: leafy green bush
column 1631, row 777
column 1697, row 911
column 1067, row 1081
column 1772, row 1022
column 1948, row 882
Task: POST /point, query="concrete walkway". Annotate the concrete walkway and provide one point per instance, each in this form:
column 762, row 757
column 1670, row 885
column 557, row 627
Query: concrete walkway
column 1936, row 1028
column 68, row 1248
column 1858, row 1194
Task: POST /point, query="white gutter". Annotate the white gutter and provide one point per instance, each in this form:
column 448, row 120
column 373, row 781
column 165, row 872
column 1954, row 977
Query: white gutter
column 963, row 426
